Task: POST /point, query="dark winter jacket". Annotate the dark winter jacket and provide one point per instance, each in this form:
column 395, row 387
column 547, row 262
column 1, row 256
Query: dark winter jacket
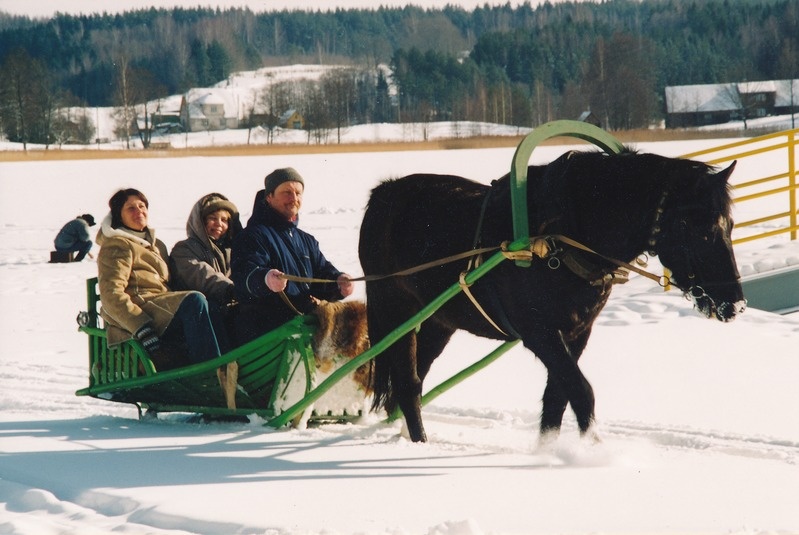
column 271, row 242
column 76, row 231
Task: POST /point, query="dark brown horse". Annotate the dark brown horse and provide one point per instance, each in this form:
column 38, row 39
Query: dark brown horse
column 617, row 205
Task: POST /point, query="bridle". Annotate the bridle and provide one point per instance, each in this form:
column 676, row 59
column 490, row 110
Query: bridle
column 694, row 292
column 655, row 234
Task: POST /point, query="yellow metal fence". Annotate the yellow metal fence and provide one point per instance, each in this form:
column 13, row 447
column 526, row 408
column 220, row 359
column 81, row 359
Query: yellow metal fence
column 754, row 197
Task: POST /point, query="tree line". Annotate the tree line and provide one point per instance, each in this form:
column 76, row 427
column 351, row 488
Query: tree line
column 514, row 65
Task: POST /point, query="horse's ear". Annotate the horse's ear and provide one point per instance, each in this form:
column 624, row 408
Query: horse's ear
column 725, row 174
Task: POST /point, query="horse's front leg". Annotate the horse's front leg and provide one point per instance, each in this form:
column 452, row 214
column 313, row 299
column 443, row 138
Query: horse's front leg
column 565, row 382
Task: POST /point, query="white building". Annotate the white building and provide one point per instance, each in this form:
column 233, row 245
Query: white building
column 209, row 109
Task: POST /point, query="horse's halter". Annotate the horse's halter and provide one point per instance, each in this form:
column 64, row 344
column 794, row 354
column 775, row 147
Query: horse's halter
column 694, row 292
column 655, row 230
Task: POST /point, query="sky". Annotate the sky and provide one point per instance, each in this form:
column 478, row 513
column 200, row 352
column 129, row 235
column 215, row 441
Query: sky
column 697, row 418
column 46, row 8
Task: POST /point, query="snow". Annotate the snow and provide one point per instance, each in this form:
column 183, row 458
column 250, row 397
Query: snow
column 698, row 418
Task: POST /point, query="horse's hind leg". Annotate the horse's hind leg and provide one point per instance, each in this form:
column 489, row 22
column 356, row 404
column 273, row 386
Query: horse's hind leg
column 424, row 347
column 406, row 386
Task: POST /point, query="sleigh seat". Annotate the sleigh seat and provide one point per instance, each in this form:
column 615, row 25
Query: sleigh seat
column 276, row 370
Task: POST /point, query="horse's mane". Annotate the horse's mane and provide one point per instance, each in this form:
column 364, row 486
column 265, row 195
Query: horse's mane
column 652, row 173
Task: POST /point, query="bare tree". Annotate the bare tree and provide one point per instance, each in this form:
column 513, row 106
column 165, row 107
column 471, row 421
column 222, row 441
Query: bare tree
column 747, row 98
column 786, row 68
column 26, row 99
column 124, row 114
column 271, row 103
column 317, row 117
column 621, row 82
column 134, row 86
column 338, row 88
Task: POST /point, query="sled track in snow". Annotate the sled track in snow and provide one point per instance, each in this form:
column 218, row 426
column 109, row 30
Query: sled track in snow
column 520, row 434
column 759, row 447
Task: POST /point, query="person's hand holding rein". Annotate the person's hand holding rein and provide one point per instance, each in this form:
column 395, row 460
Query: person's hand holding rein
column 344, row 285
column 275, row 280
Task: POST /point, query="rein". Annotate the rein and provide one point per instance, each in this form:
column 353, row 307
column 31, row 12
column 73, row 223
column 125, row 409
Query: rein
column 543, row 247
column 540, row 246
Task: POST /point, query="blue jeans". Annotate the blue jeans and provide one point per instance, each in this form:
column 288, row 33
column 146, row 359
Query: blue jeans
column 191, row 326
column 80, row 247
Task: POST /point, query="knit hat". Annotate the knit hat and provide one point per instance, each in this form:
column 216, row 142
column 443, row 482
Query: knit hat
column 278, row 176
column 216, row 201
column 88, row 218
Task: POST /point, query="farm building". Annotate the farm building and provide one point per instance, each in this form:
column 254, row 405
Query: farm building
column 699, row 105
column 208, row 109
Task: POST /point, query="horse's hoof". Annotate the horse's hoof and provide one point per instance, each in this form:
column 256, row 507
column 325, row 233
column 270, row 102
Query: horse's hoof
column 547, row 439
column 414, row 437
column 591, row 436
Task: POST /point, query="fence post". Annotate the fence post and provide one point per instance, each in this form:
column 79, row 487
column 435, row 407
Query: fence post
column 792, row 181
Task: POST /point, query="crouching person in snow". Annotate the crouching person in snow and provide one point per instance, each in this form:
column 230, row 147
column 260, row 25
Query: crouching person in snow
column 202, row 261
column 74, row 237
column 134, row 290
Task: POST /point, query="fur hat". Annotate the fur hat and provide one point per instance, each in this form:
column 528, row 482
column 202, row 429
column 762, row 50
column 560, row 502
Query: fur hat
column 216, row 201
column 88, row 218
column 278, row 176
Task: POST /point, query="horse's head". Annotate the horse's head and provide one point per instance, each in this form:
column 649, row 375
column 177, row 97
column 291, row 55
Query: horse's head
column 691, row 235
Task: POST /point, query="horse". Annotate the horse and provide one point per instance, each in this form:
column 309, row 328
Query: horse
column 594, row 210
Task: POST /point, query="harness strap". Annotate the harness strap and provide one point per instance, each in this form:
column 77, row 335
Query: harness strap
column 288, row 303
column 662, row 280
column 478, row 234
column 465, row 289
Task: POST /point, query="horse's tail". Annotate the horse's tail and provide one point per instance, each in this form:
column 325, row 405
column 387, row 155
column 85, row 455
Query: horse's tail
column 383, row 396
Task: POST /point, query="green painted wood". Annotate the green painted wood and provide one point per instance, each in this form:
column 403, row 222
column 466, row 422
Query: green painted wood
column 521, row 159
column 125, row 373
column 459, row 377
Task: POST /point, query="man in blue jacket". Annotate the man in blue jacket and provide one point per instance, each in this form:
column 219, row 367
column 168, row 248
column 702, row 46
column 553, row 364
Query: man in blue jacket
column 74, row 237
column 272, row 245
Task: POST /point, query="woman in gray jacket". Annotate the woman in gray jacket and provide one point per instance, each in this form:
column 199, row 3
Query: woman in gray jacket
column 202, row 261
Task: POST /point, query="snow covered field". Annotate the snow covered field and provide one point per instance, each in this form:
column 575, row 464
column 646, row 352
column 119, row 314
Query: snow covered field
column 699, row 418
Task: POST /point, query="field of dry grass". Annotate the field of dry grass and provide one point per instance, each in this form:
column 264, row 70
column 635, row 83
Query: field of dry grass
column 627, row 136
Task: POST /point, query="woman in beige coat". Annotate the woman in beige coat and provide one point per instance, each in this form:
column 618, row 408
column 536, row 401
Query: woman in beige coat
column 137, row 301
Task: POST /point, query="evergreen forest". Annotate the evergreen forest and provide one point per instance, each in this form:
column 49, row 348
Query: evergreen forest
column 515, row 65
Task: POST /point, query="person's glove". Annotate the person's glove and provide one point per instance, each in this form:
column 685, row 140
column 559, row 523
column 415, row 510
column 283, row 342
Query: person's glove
column 274, row 281
column 344, row 285
column 148, row 338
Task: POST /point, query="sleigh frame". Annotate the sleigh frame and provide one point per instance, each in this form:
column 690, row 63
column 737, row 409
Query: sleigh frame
column 274, row 369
